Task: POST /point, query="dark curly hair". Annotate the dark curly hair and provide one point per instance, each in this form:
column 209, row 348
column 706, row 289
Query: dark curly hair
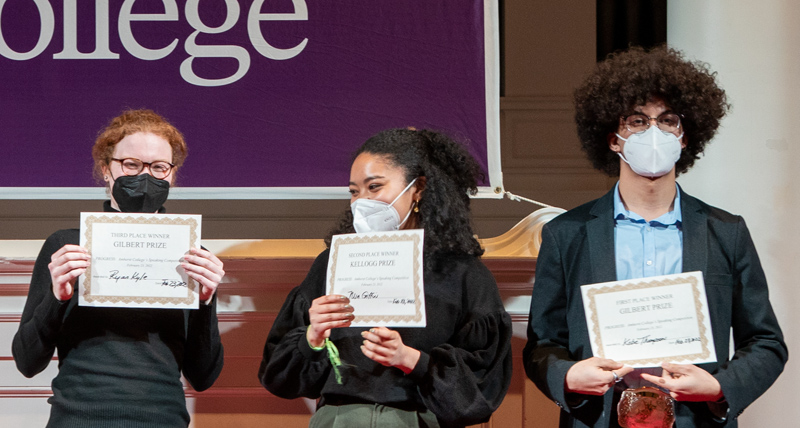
column 633, row 78
column 451, row 175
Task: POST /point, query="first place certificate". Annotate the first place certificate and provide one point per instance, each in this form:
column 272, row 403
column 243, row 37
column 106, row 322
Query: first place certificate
column 135, row 260
column 381, row 274
column 646, row 321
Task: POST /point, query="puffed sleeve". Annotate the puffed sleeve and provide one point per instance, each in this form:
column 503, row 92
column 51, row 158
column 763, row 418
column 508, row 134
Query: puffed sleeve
column 464, row 381
column 204, row 356
column 760, row 352
column 35, row 342
column 290, row 368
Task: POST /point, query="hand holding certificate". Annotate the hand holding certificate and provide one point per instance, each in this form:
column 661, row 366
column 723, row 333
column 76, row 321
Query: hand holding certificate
column 645, row 321
column 136, row 260
column 381, row 274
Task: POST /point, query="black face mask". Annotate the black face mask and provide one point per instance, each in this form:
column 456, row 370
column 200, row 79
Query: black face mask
column 140, row 193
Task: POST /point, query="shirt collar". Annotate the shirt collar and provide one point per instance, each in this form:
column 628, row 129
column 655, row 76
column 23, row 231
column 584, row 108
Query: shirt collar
column 673, row 217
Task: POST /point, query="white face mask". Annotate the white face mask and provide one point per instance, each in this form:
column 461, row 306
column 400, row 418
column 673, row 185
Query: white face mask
column 651, row 153
column 370, row 215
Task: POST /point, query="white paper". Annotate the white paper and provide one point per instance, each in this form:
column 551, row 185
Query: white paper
column 646, row 321
column 381, row 274
column 135, row 260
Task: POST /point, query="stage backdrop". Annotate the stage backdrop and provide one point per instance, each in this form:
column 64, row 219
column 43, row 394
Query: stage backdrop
column 273, row 96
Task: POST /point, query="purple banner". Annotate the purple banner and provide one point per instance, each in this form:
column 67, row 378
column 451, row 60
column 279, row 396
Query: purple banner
column 268, row 93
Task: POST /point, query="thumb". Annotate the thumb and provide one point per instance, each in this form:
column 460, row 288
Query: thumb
column 621, row 372
column 70, row 286
column 606, row 364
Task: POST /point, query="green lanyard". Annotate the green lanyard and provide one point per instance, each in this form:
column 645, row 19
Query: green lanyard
column 333, row 355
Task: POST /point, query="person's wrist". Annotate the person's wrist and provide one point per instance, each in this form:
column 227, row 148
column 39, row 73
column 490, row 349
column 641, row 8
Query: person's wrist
column 718, row 396
column 61, row 294
column 567, row 382
column 409, row 360
column 314, row 343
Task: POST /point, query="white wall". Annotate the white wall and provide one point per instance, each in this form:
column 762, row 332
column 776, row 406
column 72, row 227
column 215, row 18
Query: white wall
column 751, row 166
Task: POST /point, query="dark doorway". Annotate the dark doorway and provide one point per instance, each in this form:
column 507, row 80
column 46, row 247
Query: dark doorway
column 624, row 23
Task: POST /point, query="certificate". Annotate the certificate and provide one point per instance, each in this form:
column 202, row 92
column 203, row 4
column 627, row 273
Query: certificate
column 645, row 321
column 381, row 274
column 135, row 260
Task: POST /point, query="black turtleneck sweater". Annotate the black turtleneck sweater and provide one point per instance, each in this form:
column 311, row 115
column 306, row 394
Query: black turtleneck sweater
column 118, row 367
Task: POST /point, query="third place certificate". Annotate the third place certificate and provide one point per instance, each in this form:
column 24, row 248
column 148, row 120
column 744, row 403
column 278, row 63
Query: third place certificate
column 136, row 260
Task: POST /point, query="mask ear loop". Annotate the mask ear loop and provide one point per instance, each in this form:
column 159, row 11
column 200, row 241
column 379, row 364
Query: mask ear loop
column 620, row 152
column 407, row 216
column 404, row 191
column 398, row 197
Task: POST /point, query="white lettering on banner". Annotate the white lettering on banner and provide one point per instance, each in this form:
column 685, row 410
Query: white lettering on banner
column 126, row 35
column 126, row 16
column 48, row 25
column 101, row 50
column 228, row 51
column 257, row 39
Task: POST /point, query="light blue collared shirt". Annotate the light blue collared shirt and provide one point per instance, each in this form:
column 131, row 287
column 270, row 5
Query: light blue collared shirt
column 643, row 249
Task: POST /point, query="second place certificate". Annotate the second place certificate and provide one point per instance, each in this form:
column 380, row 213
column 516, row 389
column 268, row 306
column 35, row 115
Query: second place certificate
column 381, row 274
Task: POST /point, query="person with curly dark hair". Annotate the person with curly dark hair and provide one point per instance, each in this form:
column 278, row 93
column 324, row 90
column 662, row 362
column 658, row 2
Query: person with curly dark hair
column 646, row 116
column 453, row 372
column 635, row 78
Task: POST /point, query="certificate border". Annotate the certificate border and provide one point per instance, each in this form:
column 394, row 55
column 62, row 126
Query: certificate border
column 683, row 279
column 356, row 239
column 130, row 219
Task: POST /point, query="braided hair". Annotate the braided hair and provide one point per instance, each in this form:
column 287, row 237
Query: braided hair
column 451, row 175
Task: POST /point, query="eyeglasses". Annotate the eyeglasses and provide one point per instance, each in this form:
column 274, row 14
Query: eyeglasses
column 133, row 166
column 638, row 122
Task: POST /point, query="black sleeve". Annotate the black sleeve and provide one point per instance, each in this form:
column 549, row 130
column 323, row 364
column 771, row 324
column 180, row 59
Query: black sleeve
column 290, row 368
column 35, row 342
column 546, row 355
column 464, row 381
column 203, row 359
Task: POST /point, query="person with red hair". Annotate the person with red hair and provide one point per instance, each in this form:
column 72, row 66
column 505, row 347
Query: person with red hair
column 121, row 367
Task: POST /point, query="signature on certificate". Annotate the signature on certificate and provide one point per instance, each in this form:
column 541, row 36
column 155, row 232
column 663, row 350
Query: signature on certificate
column 366, row 295
column 643, row 340
column 135, row 277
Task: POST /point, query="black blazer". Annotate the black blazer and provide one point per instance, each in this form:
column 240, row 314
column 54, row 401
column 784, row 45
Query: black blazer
column 578, row 248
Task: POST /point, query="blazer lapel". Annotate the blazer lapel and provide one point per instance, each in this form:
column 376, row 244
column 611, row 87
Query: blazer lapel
column 695, row 235
column 600, row 234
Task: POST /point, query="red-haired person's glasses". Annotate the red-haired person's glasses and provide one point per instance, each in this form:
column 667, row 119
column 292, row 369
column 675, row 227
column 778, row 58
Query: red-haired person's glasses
column 133, row 166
